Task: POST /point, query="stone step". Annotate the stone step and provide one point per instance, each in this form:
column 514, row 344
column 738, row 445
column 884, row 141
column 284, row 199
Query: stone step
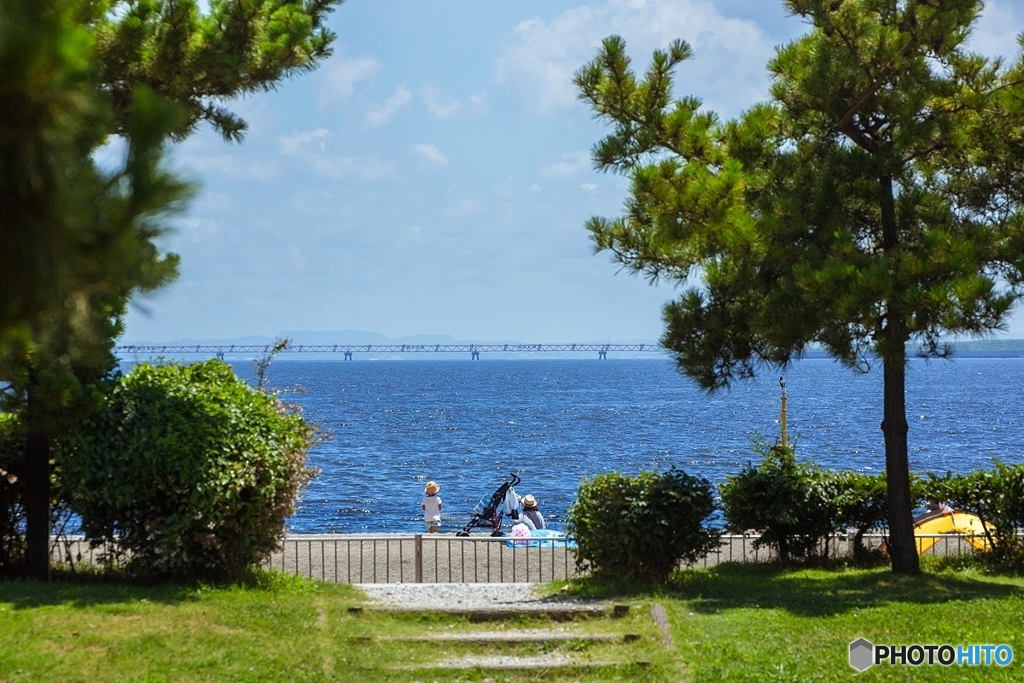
column 513, row 663
column 516, row 637
column 476, row 615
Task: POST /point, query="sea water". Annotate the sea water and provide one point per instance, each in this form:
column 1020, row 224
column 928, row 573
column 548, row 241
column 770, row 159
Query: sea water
column 393, row 425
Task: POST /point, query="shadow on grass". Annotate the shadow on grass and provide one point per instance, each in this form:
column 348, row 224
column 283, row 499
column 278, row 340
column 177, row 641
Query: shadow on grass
column 804, row 592
column 29, row 594
column 85, row 590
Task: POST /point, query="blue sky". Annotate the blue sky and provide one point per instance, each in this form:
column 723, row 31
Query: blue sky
column 433, row 177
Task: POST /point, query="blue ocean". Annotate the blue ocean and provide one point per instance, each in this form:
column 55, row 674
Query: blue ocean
column 392, row 425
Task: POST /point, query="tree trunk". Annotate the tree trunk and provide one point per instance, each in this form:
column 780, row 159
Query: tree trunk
column 893, row 349
column 37, row 505
column 902, row 547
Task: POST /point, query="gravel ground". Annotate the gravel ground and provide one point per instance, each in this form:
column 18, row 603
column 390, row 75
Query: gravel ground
column 464, row 596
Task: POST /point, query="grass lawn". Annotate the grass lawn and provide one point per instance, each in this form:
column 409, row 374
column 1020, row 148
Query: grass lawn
column 736, row 622
column 759, row 623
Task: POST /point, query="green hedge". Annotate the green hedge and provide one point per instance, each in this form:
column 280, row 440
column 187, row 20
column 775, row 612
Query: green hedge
column 642, row 527
column 12, row 512
column 187, row 470
column 797, row 507
column 860, row 503
column 783, row 500
column 996, row 496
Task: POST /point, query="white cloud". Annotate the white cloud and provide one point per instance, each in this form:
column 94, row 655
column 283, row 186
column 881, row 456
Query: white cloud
column 308, row 147
column 296, row 258
column 314, row 202
column 365, row 168
column 225, row 164
column 464, row 207
column 258, row 116
column 535, row 188
column 201, row 228
column 995, row 34
column 432, row 154
column 436, row 105
column 443, row 107
column 215, row 202
column 110, row 157
column 588, row 187
column 571, row 164
column 383, row 114
column 728, row 70
column 294, row 144
column 342, row 74
column 411, row 236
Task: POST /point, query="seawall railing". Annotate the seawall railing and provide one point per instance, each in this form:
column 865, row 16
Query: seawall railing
column 424, row 558
column 442, row 558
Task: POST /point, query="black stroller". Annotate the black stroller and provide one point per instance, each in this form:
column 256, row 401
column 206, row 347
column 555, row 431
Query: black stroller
column 490, row 509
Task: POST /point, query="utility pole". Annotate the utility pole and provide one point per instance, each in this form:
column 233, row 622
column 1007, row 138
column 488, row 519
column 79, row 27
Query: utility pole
column 782, row 413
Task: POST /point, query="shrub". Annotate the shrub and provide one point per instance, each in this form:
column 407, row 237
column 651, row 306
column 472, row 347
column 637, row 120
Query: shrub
column 12, row 511
column 641, row 527
column 187, row 470
column 789, row 503
column 860, row 503
column 997, row 497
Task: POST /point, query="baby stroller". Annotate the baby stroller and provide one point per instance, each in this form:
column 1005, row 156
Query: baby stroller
column 490, row 509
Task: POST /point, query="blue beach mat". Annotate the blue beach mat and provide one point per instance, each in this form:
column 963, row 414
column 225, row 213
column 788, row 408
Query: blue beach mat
column 542, row 538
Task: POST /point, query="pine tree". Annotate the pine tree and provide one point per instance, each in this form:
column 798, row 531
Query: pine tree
column 874, row 202
column 77, row 242
column 201, row 60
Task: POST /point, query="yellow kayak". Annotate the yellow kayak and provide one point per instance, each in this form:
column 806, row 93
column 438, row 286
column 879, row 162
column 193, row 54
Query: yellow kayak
column 950, row 522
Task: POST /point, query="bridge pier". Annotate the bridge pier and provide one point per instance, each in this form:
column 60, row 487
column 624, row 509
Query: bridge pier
column 220, row 355
column 348, row 355
column 602, row 354
column 474, row 355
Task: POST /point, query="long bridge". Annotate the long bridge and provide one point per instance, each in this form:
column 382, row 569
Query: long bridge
column 348, row 350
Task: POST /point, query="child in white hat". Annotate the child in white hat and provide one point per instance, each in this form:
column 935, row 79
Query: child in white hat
column 431, row 505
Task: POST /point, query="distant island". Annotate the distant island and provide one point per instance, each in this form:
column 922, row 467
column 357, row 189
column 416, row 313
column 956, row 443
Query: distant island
column 975, row 348
column 988, row 346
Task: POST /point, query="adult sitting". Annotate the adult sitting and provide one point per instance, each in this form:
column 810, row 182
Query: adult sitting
column 531, row 515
